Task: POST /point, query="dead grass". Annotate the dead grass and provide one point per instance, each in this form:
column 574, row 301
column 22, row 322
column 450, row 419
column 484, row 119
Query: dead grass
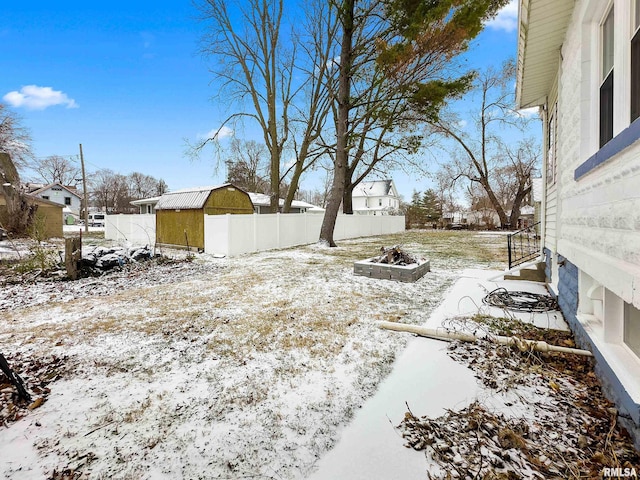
column 263, row 303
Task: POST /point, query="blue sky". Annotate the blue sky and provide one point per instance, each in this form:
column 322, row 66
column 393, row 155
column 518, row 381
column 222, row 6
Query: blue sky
column 125, row 79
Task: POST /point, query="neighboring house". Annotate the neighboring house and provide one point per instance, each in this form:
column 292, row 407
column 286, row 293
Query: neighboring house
column 378, row 197
column 64, row 195
column 537, row 193
column 262, row 204
column 146, row 205
column 48, row 218
column 579, row 61
column 180, row 214
column 457, row 217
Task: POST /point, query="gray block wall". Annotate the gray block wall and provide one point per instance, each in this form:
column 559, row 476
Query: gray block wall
column 628, row 410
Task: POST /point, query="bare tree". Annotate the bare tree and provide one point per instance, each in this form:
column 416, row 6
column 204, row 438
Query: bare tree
column 142, row 185
column 15, row 139
column 253, row 65
column 278, row 80
column 312, row 107
column 248, row 165
column 57, row 169
column 406, row 50
column 110, row 191
column 15, row 151
column 481, row 157
column 19, row 212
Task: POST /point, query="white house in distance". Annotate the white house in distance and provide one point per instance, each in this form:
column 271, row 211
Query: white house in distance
column 378, row 197
column 62, row 195
column 579, row 61
column 146, row 205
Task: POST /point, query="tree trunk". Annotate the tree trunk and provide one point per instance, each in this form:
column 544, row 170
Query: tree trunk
column 517, row 203
column 347, row 199
column 342, row 125
column 495, row 203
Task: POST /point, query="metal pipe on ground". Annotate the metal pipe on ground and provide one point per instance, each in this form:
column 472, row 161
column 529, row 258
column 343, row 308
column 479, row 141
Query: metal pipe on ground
column 447, row 335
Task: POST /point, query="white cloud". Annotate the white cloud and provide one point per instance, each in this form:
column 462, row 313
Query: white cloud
column 220, row 133
column 34, row 97
column 462, row 123
column 507, row 18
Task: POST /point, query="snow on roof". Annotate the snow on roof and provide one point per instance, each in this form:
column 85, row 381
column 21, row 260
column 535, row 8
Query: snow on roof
column 145, row 201
column 47, row 187
column 263, row 200
column 187, row 198
column 527, row 210
column 376, row 188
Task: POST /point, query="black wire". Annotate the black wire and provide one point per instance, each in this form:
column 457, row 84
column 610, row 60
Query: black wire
column 520, row 301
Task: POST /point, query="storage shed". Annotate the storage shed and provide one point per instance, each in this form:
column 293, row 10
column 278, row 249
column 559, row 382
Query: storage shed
column 180, row 214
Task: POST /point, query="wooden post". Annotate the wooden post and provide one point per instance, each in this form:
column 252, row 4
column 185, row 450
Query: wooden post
column 72, row 255
column 86, row 195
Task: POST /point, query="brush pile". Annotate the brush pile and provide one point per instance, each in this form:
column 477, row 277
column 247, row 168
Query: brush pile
column 99, row 259
column 546, row 418
column 394, row 256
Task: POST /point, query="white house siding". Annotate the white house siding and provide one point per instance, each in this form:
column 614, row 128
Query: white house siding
column 599, row 214
column 57, row 194
column 593, row 222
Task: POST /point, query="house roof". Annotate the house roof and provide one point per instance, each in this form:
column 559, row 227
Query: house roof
column 188, row 198
column 32, row 198
column 376, row 188
column 47, row 187
column 263, row 200
column 145, row 201
column 541, row 30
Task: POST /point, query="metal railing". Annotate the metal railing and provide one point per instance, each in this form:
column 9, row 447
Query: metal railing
column 523, row 245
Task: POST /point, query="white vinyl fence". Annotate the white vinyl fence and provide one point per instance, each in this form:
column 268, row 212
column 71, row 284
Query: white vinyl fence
column 237, row 234
column 137, row 229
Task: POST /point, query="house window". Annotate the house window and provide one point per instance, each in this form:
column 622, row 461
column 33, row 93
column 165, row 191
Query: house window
column 67, row 200
column 606, row 85
column 632, row 328
column 635, row 63
column 551, row 142
column 46, row 197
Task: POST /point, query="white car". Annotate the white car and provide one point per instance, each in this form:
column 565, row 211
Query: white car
column 96, row 219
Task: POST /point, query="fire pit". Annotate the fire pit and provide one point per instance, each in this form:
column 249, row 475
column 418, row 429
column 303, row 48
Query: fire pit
column 393, row 264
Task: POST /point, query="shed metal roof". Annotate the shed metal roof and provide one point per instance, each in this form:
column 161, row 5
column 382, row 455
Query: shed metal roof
column 187, row 199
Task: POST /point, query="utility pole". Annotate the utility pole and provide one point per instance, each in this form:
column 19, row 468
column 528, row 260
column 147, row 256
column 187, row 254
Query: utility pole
column 86, row 196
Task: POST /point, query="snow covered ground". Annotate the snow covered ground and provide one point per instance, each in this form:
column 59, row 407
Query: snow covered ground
column 220, row 368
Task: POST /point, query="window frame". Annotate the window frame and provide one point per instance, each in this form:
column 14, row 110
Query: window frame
column 630, row 312
column 607, row 67
column 552, row 144
column 634, row 53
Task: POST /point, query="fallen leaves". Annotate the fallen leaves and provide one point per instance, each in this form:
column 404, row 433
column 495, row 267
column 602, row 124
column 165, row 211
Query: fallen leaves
column 564, row 426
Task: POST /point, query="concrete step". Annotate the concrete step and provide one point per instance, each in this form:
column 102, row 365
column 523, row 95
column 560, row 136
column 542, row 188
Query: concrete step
column 533, row 274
